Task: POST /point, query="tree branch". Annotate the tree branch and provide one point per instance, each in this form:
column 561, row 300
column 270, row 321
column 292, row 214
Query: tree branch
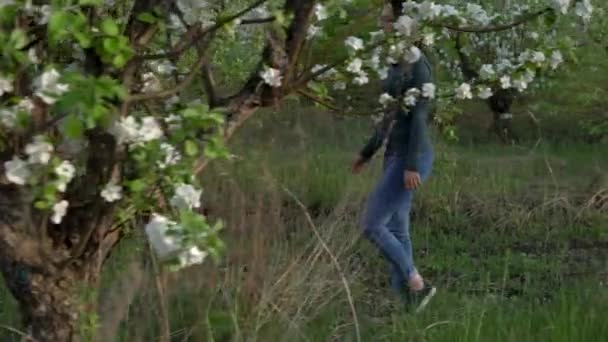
column 209, row 84
column 258, row 21
column 169, row 92
column 296, row 34
column 468, row 71
column 195, row 33
column 498, row 28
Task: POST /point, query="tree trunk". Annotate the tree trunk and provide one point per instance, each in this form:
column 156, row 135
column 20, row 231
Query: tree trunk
column 500, row 103
column 51, row 303
column 53, row 270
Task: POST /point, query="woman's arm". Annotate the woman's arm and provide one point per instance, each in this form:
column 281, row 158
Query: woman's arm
column 393, row 86
column 418, row 127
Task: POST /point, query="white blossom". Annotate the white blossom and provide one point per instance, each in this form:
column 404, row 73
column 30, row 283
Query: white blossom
column 411, row 97
column 172, row 156
column 174, row 122
column 428, row 39
column 485, row 93
column 520, row 84
column 505, row 82
column 186, row 196
column 111, row 192
column 66, row 172
column 126, row 130
column 361, row 79
column 313, row 31
column 477, row 13
column 556, row 59
column 59, row 211
column 157, row 231
column 192, row 256
column 428, row 10
column 528, row 76
column 561, row 5
column 428, row 90
column 151, row 83
column 487, row 72
column 17, row 171
column 354, row 43
column 584, row 9
column 39, row 151
column 449, row 11
column 355, row 66
column 272, row 77
column 410, row 100
column 340, row 85
column 164, row 68
column 25, row 105
column 464, row 91
column 33, row 56
column 533, row 35
column 149, row 129
column 321, row 12
column 386, row 99
column 412, row 55
column 6, row 3
column 48, row 87
column 382, row 73
column 405, row 25
column 8, row 117
column 538, row 57
column 6, row 85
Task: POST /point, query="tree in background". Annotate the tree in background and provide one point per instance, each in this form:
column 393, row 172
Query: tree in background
column 103, row 129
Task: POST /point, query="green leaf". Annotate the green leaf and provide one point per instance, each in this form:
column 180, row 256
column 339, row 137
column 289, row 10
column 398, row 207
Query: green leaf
column 18, row 39
column 83, row 38
column 109, row 27
column 90, row 2
column 137, row 185
column 190, row 148
column 147, row 17
column 111, row 45
column 73, row 127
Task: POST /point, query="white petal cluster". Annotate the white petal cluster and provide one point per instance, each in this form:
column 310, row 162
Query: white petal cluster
column 386, row 99
column 6, row 85
column 584, row 9
column 485, row 93
column 428, row 90
column 128, row 130
column 59, row 211
column 321, row 12
column 463, row 92
column 111, row 192
column 48, row 87
column 272, row 77
column 186, row 197
column 39, row 151
column 17, row 171
column 354, row 43
column 65, row 172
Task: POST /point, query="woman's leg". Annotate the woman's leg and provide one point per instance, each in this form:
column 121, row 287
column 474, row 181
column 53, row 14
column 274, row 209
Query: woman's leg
column 399, row 226
column 388, row 198
column 391, row 196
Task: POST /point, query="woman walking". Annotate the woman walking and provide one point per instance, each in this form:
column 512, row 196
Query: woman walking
column 407, row 164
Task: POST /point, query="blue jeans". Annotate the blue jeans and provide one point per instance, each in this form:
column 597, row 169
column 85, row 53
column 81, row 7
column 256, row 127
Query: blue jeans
column 387, row 216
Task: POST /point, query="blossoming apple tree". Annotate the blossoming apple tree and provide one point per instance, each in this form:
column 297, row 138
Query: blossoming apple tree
column 109, row 111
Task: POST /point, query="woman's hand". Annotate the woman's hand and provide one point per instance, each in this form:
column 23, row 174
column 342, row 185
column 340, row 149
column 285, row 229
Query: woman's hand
column 358, row 165
column 411, row 179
